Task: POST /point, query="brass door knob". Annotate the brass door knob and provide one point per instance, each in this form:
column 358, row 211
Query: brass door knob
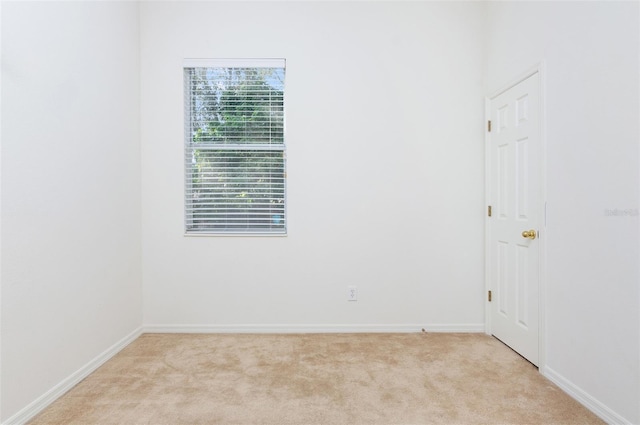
column 529, row 234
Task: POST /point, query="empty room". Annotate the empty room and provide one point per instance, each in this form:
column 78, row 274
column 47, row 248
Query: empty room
column 325, row 212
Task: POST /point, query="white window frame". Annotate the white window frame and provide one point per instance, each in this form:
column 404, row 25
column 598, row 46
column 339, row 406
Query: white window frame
column 278, row 227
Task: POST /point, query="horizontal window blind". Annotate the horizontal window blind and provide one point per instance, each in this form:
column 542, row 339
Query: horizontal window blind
column 234, row 148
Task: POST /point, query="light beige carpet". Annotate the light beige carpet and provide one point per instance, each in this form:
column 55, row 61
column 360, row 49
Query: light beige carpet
column 316, row 379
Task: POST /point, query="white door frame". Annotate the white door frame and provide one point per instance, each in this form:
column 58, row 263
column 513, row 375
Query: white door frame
column 539, row 68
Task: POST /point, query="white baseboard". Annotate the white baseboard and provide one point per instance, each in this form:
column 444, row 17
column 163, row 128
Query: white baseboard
column 288, row 329
column 56, row 392
column 602, row 411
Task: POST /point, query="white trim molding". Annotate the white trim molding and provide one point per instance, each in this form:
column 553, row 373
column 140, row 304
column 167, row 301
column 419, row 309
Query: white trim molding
column 292, row 329
column 233, row 63
column 42, row 402
column 588, row 401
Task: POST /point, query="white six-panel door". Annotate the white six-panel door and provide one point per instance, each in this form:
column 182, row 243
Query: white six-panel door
column 515, row 197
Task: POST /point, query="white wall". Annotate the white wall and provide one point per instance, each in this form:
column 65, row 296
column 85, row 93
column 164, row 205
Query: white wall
column 71, row 267
column 591, row 51
column 384, row 109
column 1, row 68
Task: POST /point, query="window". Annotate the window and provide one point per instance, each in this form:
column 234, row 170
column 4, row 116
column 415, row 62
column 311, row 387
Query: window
column 234, row 146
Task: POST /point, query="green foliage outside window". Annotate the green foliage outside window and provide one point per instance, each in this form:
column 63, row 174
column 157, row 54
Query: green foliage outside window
column 235, row 150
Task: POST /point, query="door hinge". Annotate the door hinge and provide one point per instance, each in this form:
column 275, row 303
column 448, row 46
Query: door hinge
column 489, row 211
column 489, row 296
column 489, row 126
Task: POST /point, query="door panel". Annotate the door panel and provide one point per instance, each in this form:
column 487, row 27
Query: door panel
column 515, row 194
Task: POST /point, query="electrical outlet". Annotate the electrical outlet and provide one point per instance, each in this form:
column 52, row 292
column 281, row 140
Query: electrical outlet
column 352, row 293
